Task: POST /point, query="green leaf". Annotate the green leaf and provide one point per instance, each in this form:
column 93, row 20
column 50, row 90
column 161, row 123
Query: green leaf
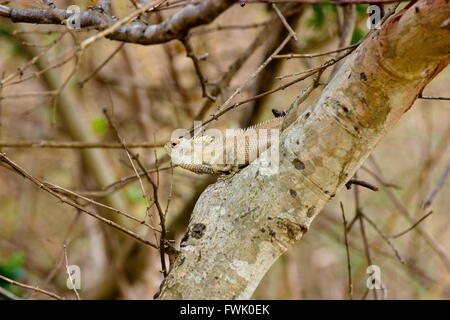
column 100, row 125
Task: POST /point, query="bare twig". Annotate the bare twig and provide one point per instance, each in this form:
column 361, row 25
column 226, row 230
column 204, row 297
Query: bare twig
column 74, row 194
column 438, row 187
column 386, row 238
column 347, row 250
column 230, row 27
column 412, row 227
column 75, row 145
column 333, row 2
column 361, row 183
column 135, row 157
column 433, row 98
column 380, row 179
column 176, row 26
column 348, row 27
column 26, row 286
column 41, row 185
column 93, row 73
column 285, row 23
column 312, row 55
column 196, row 61
column 69, row 273
column 117, row 185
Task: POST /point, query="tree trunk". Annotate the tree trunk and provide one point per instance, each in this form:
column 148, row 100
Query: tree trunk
column 241, row 225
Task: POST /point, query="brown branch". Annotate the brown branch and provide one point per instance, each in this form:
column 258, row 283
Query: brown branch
column 285, row 23
column 433, row 98
column 223, row 109
column 438, row 187
column 117, row 185
column 380, row 179
column 65, row 191
column 347, row 29
column 412, row 227
column 312, row 55
column 386, row 238
column 175, row 27
column 361, row 183
column 196, row 61
column 66, row 259
column 347, row 250
column 230, row 27
column 75, row 145
column 333, row 2
column 42, row 185
column 135, row 157
column 96, row 70
column 26, row 286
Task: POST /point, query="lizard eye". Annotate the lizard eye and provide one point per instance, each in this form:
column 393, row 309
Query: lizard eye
column 174, row 144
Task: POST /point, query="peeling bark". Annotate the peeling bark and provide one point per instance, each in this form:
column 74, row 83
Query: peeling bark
column 241, row 225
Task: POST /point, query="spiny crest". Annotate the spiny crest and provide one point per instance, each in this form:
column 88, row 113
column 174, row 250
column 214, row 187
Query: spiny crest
column 203, row 139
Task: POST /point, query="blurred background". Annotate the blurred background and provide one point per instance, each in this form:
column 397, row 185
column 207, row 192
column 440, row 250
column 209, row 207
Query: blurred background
column 48, row 94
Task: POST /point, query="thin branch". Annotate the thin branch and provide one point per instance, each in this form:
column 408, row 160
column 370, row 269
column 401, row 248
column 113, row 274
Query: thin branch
column 361, row 183
column 412, row 227
column 75, row 145
column 230, row 27
column 196, row 61
column 332, row 2
column 347, row 250
column 348, row 27
column 438, row 187
column 93, row 73
column 433, row 98
column 175, row 27
column 386, row 238
column 323, row 66
column 135, row 157
column 68, row 272
column 380, row 179
column 312, row 55
column 285, row 23
column 72, row 193
column 26, row 286
column 42, row 185
column 117, row 185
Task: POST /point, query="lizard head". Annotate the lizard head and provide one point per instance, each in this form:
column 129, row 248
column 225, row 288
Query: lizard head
column 175, row 145
column 169, row 146
column 183, row 149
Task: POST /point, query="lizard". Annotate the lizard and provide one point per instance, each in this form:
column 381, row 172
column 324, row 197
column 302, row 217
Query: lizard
column 182, row 151
column 207, row 154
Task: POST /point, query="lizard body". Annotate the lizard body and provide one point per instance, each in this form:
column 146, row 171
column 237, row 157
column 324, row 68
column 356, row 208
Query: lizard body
column 227, row 153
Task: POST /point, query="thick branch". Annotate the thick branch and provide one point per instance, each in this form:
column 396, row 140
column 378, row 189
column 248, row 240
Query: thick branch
column 241, row 225
column 175, row 27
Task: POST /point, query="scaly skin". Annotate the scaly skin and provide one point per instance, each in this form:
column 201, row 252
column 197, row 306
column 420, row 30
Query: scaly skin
column 205, row 154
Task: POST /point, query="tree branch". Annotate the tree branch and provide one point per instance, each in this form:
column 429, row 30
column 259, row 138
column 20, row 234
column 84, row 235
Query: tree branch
column 241, row 225
column 175, row 27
